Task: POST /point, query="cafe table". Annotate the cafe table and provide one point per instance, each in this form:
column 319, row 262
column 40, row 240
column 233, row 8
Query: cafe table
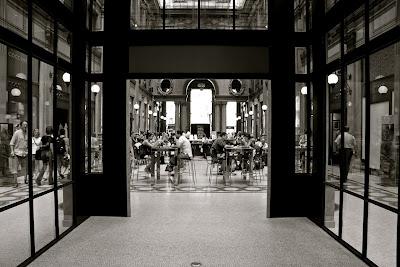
column 239, row 149
column 156, row 156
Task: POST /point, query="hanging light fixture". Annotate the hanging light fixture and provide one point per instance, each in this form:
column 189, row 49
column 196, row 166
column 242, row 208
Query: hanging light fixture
column 15, row 92
column 251, row 113
column 136, row 106
column 264, row 107
column 66, row 77
column 304, row 90
column 95, row 88
column 333, row 79
column 383, row 89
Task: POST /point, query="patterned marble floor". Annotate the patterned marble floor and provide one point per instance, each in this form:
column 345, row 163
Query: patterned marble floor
column 145, row 183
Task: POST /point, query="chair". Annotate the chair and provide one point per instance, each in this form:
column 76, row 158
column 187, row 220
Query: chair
column 190, row 163
column 138, row 161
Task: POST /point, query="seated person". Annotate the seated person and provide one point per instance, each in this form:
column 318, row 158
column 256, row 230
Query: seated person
column 217, row 151
column 185, row 151
column 145, row 150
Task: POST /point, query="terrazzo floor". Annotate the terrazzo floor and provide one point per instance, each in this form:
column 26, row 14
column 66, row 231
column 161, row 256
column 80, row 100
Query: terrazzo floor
column 214, row 229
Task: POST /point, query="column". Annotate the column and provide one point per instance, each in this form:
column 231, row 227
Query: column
column 223, row 117
column 184, row 117
column 217, row 117
column 177, row 116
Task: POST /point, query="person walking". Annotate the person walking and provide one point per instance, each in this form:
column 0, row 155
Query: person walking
column 347, row 150
column 62, row 152
column 19, row 151
column 47, row 152
column 36, row 154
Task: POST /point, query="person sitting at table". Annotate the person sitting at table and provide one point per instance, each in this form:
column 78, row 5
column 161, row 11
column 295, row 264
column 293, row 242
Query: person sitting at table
column 148, row 143
column 217, row 151
column 185, row 151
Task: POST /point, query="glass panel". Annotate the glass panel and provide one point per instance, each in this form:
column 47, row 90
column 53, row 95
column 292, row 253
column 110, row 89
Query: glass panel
column 384, row 148
column 14, row 16
column 216, row 14
column 181, row 14
column 352, row 231
column 329, row 4
column 354, row 30
column 333, row 44
column 147, row 15
column 332, row 209
column 65, row 208
column 381, row 240
column 86, row 126
column 67, row 3
column 97, row 127
column 97, row 59
column 63, row 126
column 301, row 128
column 301, row 60
column 98, row 15
column 251, row 14
column 42, row 125
column 354, row 138
column 13, row 125
column 43, row 29
column 64, row 43
column 15, row 236
column 300, row 15
column 43, row 213
column 382, row 16
column 333, row 109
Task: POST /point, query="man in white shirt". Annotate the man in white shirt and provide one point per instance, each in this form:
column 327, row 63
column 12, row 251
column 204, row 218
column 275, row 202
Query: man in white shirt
column 185, row 151
column 349, row 147
column 19, row 150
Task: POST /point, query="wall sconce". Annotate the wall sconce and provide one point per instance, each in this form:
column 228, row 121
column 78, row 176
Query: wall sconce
column 150, row 112
column 66, row 78
column 333, row 79
column 95, row 89
column 15, row 92
column 246, row 115
column 264, row 107
column 251, row 113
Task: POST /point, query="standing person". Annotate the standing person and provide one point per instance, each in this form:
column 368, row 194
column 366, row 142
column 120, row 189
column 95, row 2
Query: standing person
column 347, row 151
column 19, row 151
column 36, row 140
column 303, row 150
column 95, row 150
column 62, row 151
column 47, row 156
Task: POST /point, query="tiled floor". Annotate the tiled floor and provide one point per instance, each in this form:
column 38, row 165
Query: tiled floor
column 214, row 229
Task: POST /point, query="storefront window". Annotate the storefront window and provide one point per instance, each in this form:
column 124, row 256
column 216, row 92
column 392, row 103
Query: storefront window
column 384, row 125
column 251, row 15
column 97, row 59
column 301, row 60
column 301, row 128
column 300, row 15
column 96, row 141
column 14, row 16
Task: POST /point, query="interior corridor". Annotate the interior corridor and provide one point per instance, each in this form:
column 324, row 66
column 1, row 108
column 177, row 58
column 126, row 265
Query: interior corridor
column 214, row 229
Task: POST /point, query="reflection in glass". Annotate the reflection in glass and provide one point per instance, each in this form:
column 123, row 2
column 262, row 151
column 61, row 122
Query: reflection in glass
column 333, row 111
column 43, row 29
column 147, row 15
column 332, row 209
column 86, row 126
column 354, row 140
column 14, row 16
column 181, row 14
column 217, row 15
column 43, row 213
column 301, row 60
column 381, row 240
column 63, row 126
column 333, row 44
column 353, row 220
column 383, row 16
column 251, row 15
column 301, row 127
column 97, row 59
column 384, row 125
column 64, row 43
column 354, row 31
column 15, row 235
column 65, row 208
column 98, row 15
column 329, row 4
column 13, row 126
column 96, row 91
column 42, row 125
column 300, row 15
